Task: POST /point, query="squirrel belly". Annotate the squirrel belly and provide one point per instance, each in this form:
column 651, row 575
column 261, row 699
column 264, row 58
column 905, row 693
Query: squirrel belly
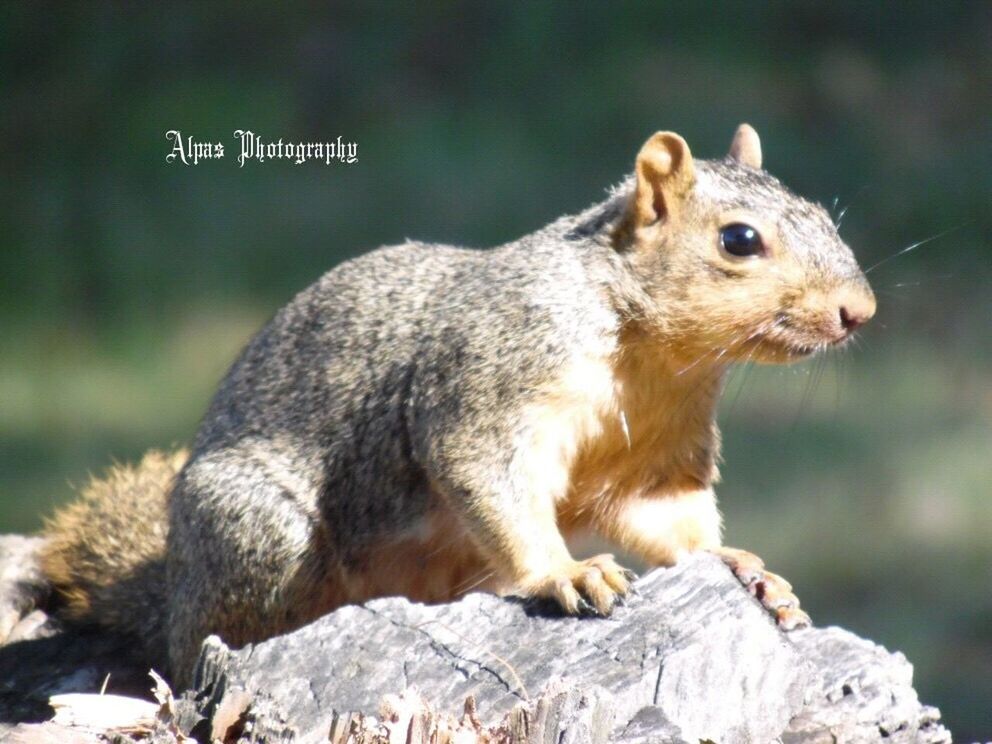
column 429, row 420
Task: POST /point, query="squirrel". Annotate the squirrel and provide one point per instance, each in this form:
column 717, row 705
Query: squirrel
column 427, row 420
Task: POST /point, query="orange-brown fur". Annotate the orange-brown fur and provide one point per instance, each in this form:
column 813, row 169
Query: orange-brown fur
column 436, row 562
column 110, row 540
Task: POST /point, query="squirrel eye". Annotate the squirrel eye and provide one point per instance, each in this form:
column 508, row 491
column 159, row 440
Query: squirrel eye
column 741, row 240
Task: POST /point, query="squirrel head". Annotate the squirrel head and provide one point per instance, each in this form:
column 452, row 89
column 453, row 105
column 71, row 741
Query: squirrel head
column 730, row 264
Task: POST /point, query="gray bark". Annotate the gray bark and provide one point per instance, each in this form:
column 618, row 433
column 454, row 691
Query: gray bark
column 693, row 657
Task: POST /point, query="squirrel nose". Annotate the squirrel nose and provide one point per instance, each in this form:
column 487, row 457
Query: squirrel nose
column 850, row 321
column 855, row 311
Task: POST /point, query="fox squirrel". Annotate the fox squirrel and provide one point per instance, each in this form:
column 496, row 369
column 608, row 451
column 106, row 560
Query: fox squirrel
column 425, row 420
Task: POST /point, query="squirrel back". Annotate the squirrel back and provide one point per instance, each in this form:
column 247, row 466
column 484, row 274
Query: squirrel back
column 425, row 420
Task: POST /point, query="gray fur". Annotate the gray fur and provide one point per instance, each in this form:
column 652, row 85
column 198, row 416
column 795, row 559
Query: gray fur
column 398, row 369
column 398, row 379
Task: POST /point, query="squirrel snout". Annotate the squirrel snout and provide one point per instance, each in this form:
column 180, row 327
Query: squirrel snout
column 855, row 309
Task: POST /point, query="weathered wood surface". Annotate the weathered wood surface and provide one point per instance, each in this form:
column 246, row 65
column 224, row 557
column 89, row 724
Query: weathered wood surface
column 692, row 657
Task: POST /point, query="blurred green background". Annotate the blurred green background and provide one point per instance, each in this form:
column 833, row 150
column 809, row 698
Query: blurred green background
column 128, row 284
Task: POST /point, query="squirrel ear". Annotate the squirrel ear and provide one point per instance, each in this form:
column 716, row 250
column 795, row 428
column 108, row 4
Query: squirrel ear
column 664, row 174
column 746, row 147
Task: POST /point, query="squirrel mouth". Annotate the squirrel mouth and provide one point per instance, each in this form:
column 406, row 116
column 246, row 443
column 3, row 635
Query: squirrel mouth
column 789, row 343
column 796, row 351
column 801, row 350
column 785, row 340
column 787, row 350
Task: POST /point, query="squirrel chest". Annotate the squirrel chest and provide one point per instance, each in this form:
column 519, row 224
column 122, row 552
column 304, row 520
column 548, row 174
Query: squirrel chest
column 632, row 426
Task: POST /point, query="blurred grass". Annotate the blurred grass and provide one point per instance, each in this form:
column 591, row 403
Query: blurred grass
column 869, row 491
column 73, row 401
column 127, row 285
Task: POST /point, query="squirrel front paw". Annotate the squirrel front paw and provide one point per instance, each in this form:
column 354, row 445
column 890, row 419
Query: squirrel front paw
column 773, row 591
column 590, row 587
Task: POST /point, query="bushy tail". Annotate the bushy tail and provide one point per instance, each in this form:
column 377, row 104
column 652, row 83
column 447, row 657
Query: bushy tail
column 105, row 553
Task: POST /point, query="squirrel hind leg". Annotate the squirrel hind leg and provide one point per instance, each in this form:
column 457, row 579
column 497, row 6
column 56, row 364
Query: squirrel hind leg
column 247, row 559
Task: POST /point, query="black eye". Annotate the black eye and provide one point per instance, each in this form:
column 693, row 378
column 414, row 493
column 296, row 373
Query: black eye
column 739, row 239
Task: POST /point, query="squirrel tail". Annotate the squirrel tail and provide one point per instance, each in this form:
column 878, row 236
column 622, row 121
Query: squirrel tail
column 104, row 554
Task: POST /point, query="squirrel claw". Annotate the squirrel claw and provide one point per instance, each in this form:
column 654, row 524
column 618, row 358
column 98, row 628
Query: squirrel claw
column 773, row 591
column 792, row 618
column 587, row 609
column 592, row 587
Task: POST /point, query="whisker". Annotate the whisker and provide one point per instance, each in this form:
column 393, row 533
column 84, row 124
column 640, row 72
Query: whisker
column 464, row 587
column 717, row 372
column 812, row 381
column 840, row 384
column 894, row 295
column 748, row 368
column 914, row 246
column 700, row 359
column 920, row 283
column 840, row 217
